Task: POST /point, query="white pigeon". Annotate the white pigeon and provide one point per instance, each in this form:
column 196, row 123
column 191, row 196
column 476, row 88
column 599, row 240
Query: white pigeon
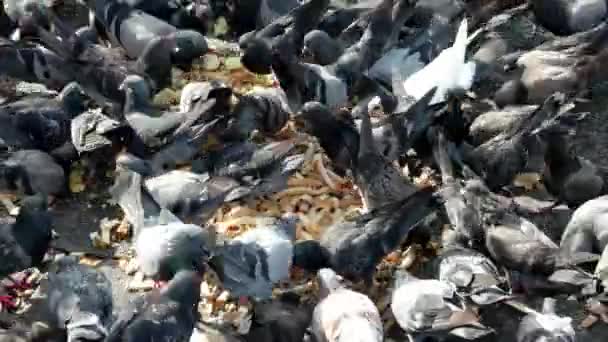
column 448, row 71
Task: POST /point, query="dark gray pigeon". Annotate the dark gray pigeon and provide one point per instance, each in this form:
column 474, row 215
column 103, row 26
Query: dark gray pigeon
column 80, row 300
column 379, row 181
column 353, row 248
column 343, row 314
column 499, row 159
column 24, row 243
column 259, row 46
column 166, row 315
column 281, row 319
column 572, row 179
column 33, row 171
column 568, row 17
column 47, row 120
column 253, row 262
column 265, row 110
column 244, row 159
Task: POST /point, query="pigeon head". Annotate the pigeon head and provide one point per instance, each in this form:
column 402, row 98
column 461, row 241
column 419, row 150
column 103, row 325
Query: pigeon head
column 189, row 45
column 328, row 281
column 321, row 47
column 73, row 98
column 309, row 255
column 203, row 12
column 287, row 224
column 257, row 56
column 312, row 116
column 374, row 107
column 137, row 91
column 85, row 327
column 14, row 178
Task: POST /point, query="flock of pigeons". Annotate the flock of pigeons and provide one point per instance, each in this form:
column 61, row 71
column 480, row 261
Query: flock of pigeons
column 380, row 84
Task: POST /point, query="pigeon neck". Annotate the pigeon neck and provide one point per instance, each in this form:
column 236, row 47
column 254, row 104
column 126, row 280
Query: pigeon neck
column 366, row 142
column 133, row 101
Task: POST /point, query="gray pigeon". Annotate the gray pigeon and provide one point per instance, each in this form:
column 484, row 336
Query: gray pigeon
column 254, row 261
column 585, row 231
column 166, row 315
column 344, row 315
column 164, row 250
column 431, row 306
column 80, row 300
column 155, row 131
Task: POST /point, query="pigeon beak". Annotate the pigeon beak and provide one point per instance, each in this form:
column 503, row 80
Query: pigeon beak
column 54, row 234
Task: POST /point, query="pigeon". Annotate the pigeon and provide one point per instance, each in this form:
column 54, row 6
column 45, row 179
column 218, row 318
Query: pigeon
column 156, row 131
column 166, row 315
column 337, row 133
column 188, row 195
column 25, row 242
column 321, row 48
column 431, row 306
column 584, row 232
column 545, row 325
column 462, row 211
column 101, row 70
column 270, row 10
column 194, row 15
column 281, row 319
column 379, row 181
column 259, row 46
column 80, row 300
column 499, row 159
column 572, row 179
column 264, row 110
column 31, row 172
column 569, row 17
column 456, row 75
column 490, row 124
column 137, row 31
column 46, row 120
column 195, row 92
column 354, row 248
column 516, row 243
column 24, row 10
column 254, row 261
column 183, row 149
column 164, row 250
column 564, row 64
column 238, row 160
column 470, row 272
column 35, row 63
column 343, row 314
